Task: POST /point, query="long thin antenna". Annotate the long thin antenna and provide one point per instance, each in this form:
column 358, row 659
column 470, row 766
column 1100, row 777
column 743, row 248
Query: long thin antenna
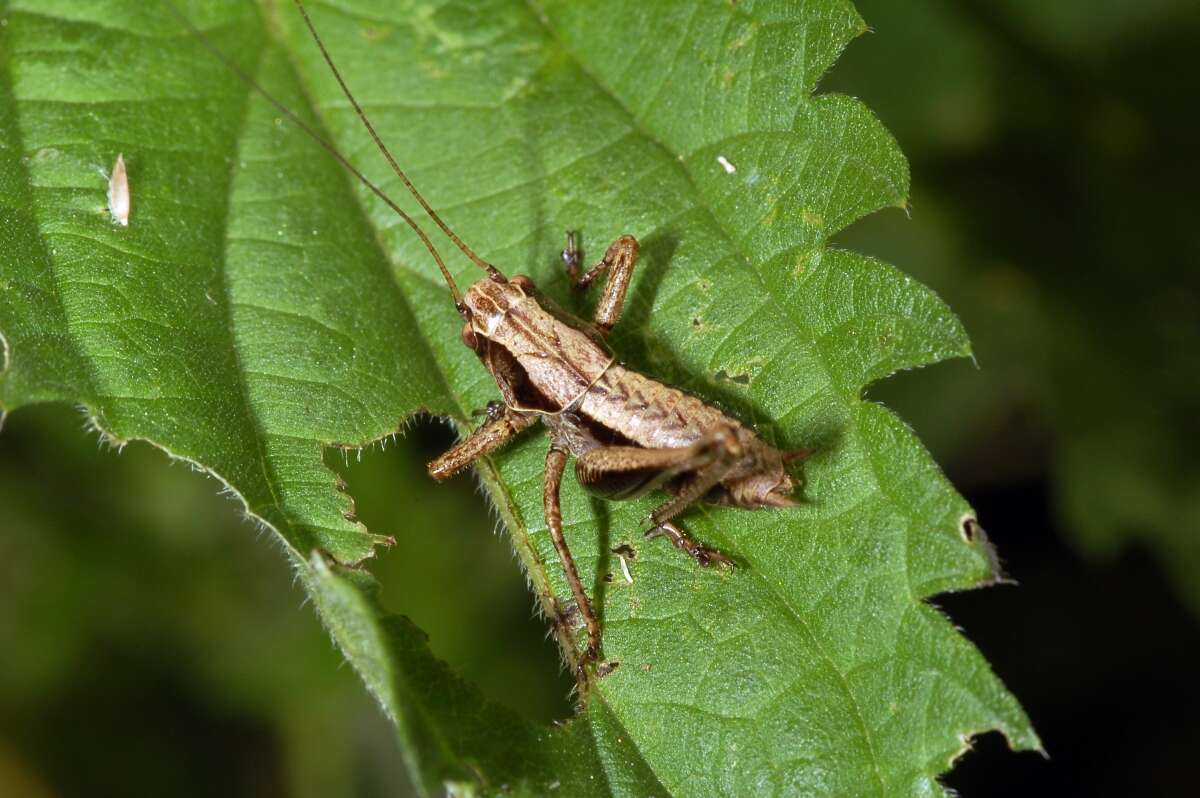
column 300, row 123
column 362, row 115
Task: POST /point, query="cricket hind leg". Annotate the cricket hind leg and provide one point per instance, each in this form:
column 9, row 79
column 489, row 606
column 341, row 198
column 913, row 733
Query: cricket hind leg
column 618, row 261
column 620, row 472
column 624, row 472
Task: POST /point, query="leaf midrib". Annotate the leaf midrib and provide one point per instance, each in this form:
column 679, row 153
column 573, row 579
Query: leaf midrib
column 726, row 234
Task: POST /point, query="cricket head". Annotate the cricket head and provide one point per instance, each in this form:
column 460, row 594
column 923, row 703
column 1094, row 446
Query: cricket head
column 500, row 325
column 539, row 363
column 487, row 304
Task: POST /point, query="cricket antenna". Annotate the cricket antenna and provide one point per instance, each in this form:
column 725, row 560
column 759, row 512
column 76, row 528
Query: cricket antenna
column 362, row 115
column 245, row 77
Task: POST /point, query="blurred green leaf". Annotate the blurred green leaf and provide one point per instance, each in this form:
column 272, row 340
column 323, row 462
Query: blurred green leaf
column 1083, row 374
column 260, row 306
column 1087, row 29
column 131, row 595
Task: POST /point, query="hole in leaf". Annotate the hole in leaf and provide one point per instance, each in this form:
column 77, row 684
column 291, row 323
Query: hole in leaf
column 452, row 573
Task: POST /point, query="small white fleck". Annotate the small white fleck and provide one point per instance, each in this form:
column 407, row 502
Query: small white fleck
column 118, row 193
column 726, row 165
column 625, row 569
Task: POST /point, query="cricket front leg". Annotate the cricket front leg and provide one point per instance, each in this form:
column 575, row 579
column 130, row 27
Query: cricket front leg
column 556, row 461
column 618, row 261
column 502, row 426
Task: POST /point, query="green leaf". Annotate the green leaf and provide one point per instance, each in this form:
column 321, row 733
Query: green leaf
column 261, row 306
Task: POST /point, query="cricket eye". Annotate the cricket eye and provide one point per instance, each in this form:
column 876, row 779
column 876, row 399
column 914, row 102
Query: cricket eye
column 523, row 282
column 469, row 338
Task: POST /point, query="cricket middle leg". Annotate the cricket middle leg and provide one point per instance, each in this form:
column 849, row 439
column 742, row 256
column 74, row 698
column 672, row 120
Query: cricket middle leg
column 556, row 462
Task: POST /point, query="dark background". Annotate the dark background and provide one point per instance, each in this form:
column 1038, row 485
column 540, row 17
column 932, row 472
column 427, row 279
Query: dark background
column 1055, row 173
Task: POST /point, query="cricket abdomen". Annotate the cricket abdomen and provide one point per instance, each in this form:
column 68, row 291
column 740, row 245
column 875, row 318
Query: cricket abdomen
column 652, row 415
column 648, row 413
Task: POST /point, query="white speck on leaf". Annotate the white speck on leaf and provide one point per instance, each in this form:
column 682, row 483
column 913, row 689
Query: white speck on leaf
column 118, row 193
column 625, row 569
column 726, row 165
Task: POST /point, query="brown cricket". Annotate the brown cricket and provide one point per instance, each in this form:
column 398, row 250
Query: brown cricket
column 629, row 433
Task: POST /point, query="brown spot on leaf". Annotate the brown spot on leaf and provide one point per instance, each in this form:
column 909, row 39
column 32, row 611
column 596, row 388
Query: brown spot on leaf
column 740, row 379
column 625, row 550
column 970, row 528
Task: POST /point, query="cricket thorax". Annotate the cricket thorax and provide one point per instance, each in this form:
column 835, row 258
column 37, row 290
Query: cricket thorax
column 541, row 363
